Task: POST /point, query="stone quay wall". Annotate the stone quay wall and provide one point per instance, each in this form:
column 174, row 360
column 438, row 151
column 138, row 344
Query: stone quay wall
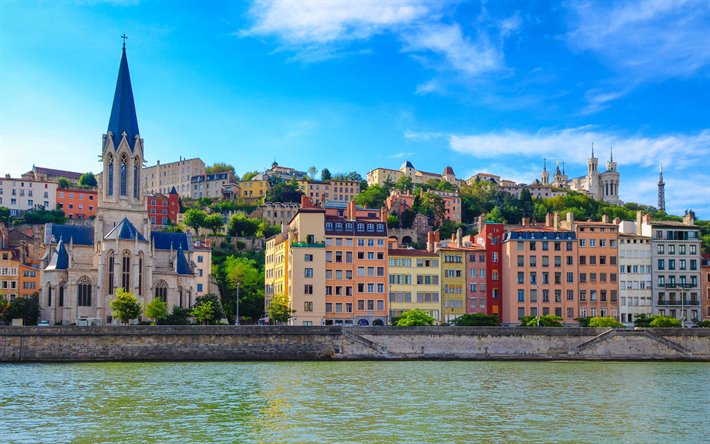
column 259, row 343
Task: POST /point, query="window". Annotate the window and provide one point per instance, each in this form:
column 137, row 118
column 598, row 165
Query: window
column 123, row 173
column 161, row 291
column 126, row 271
column 110, row 175
column 308, row 306
column 111, row 261
column 84, row 291
column 308, row 272
column 308, row 289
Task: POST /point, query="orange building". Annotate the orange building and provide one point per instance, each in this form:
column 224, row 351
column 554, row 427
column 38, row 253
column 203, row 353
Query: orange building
column 705, row 281
column 356, row 266
column 598, row 285
column 539, row 271
column 77, row 203
column 18, row 278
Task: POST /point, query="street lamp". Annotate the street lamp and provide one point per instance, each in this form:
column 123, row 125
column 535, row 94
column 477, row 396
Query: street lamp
column 236, row 322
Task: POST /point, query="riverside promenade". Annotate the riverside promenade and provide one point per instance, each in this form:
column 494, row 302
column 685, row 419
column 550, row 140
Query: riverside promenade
column 269, row 343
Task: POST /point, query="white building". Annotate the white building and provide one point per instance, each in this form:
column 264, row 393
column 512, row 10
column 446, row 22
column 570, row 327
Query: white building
column 635, row 273
column 20, row 195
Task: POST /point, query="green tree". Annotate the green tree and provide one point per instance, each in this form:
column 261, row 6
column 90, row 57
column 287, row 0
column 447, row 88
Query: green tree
column 65, row 183
column 249, row 175
column 195, row 219
column 179, row 316
column 26, row 308
column 204, row 313
column 214, row 222
column 284, row 192
column 325, row 174
column 643, row 320
column 475, row 320
column 312, row 171
column 245, row 273
column 414, row 318
column 266, row 230
column 156, row 310
column 583, row 322
column 240, row 225
column 392, row 221
column 219, row 167
column 373, row 197
column 87, row 180
column 495, row 215
column 210, row 315
column 406, row 218
column 125, row 306
column 665, row 322
column 278, row 309
column 403, row 184
column 545, row 321
column 606, row 321
column 42, row 216
column 5, row 215
column 703, row 324
column 433, row 207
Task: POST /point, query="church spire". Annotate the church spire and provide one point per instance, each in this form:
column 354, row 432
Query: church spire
column 123, row 112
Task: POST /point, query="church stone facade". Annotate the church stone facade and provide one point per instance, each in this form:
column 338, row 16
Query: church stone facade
column 84, row 265
column 600, row 186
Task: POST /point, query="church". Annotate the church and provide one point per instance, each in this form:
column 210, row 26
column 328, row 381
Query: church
column 84, row 264
column 600, row 186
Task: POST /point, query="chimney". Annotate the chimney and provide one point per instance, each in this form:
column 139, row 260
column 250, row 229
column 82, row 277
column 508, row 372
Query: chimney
column 432, row 238
column 639, row 222
column 617, row 221
column 306, row 201
column 459, row 237
column 570, row 220
column 688, row 219
column 383, row 214
column 605, row 218
column 548, row 219
column 352, row 209
column 556, row 220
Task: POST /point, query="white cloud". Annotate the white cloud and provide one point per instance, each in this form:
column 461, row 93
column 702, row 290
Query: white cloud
column 422, row 136
column 401, row 155
column 318, row 30
column 574, row 144
column 323, row 22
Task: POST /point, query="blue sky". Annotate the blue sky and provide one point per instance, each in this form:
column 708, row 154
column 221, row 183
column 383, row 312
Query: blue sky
column 481, row 86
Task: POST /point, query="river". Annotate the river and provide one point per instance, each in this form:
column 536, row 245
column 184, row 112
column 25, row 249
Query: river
column 412, row 401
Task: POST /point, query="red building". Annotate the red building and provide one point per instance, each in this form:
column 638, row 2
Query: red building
column 163, row 209
column 491, row 238
column 77, row 203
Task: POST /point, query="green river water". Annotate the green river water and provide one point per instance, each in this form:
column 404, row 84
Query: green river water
column 413, row 401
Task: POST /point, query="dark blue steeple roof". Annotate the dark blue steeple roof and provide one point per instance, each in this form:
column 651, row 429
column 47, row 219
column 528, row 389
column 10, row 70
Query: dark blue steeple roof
column 60, row 260
column 125, row 230
column 123, row 112
column 182, row 266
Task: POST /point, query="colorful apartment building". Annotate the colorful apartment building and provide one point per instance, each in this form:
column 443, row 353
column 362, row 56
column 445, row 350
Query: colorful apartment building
column 379, row 176
column 356, row 266
column 705, row 278
column 635, row 297
column 20, row 195
column 597, row 260
column 77, row 203
column 490, row 237
column 539, row 270
column 276, row 267
column 202, row 257
column 163, row 209
column 18, row 277
column 276, row 213
column 212, row 186
column 253, row 191
column 453, row 282
column 163, row 177
column 414, row 281
column 331, row 190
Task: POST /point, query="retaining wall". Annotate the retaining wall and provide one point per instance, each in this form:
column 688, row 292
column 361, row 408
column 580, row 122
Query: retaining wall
column 179, row 343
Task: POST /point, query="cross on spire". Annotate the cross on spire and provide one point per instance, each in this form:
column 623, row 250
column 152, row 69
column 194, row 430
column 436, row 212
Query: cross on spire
column 124, row 37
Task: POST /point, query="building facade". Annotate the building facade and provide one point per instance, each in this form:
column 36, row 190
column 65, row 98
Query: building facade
column 414, row 281
column 253, row 191
column 211, row 185
column 162, row 209
column 77, row 203
column 20, row 195
column 705, row 277
column 490, row 237
column 85, row 265
column 599, row 185
column 379, row 176
column 163, row 177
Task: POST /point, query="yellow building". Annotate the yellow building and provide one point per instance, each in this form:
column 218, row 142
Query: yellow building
column 414, row 282
column 379, row 176
column 253, row 190
column 453, row 283
column 321, row 191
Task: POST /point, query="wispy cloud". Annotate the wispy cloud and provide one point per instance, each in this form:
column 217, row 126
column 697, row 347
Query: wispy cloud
column 574, row 144
column 316, row 31
column 423, row 136
column 642, row 41
column 401, row 155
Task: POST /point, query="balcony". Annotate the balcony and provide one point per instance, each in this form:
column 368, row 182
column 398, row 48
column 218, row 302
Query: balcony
column 678, row 285
column 308, row 245
column 678, row 303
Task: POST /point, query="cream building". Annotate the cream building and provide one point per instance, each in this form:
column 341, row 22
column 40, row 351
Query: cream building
column 84, row 265
column 600, row 186
column 162, row 177
column 379, row 176
column 20, row 195
column 635, row 295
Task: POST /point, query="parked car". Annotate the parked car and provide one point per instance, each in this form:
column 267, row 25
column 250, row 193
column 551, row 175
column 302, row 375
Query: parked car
column 43, row 324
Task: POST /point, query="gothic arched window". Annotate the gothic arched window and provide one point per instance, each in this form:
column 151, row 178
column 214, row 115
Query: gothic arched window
column 84, row 291
column 161, row 291
column 126, row 271
column 60, row 290
column 135, row 177
column 110, row 175
column 124, row 172
column 111, row 264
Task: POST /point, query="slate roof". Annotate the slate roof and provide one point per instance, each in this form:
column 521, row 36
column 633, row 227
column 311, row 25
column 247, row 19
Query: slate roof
column 125, row 230
column 60, row 259
column 183, row 267
column 76, row 234
column 123, row 112
column 164, row 239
